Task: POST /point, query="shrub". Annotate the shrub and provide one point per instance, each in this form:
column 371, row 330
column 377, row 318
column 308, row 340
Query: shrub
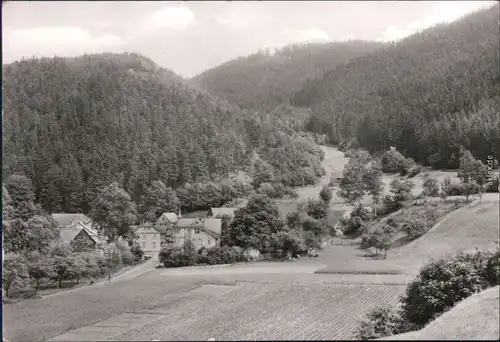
column 357, row 221
column 126, row 255
column 179, row 257
column 430, row 185
column 462, row 189
column 326, row 194
column 414, row 171
column 414, row 227
column 401, row 194
column 391, row 222
column 394, row 162
column 492, row 274
column 311, row 240
column 285, row 242
column 382, row 322
column 137, row 252
column 317, row 209
column 443, row 283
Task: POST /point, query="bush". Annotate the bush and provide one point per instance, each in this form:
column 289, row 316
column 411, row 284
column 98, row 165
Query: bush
column 317, row 209
column 492, row 274
column 126, row 255
column 382, row 322
column 430, row 185
column 311, row 241
column 443, row 283
column 414, row 227
column 326, row 194
column 356, row 222
column 221, row 255
column 462, row 189
column 415, row 171
column 394, row 162
column 137, row 252
column 402, row 193
column 179, row 256
column 286, row 242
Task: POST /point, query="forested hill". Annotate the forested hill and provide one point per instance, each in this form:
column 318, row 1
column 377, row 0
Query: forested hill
column 264, row 80
column 74, row 125
column 426, row 94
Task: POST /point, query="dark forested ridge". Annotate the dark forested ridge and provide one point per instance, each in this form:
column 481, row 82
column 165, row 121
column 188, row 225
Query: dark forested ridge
column 427, row 94
column 263, row 80
column 75, row 125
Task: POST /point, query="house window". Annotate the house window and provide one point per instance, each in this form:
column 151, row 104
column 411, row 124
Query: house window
column 197, row 231
column 154, row 236
column 144, row 236
column 143, row 245
column 177, row 231
column 154, row 245
column 209, row 241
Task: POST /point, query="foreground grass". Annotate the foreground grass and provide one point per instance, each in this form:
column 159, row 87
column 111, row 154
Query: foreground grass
column 474, row 318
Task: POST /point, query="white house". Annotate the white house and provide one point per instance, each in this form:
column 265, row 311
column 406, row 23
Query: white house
column 201, row 231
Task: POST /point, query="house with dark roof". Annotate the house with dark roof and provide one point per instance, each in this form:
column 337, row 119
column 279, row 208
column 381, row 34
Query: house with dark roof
column 76, row 230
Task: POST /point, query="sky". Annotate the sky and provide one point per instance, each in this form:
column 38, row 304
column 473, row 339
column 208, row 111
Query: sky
column 190, row 37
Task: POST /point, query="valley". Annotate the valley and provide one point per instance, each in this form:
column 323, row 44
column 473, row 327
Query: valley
column 322, row 189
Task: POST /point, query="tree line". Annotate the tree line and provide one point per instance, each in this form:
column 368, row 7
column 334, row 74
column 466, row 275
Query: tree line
column 75, row 125
column 427, row 95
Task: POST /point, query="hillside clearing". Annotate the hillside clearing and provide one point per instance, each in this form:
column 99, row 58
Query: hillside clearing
column 466, row 229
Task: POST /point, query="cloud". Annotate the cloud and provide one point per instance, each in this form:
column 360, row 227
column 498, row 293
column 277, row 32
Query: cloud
column 313, row 35
column 171, row 17
column 444, row 12
column 54, row 40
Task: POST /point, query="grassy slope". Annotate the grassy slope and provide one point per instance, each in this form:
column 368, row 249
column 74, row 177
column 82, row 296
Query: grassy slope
column 457, row 233
column 468, row 228
column 474, row 318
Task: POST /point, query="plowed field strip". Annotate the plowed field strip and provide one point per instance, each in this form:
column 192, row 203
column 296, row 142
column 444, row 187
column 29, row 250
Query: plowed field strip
column 269, row 311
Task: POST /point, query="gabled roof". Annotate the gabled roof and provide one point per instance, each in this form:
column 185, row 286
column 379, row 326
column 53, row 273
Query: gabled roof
column 68, row 234
column 65, row 220
column 214, row 225
column 167, row 217
column 221, row 211
column 92, row 233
